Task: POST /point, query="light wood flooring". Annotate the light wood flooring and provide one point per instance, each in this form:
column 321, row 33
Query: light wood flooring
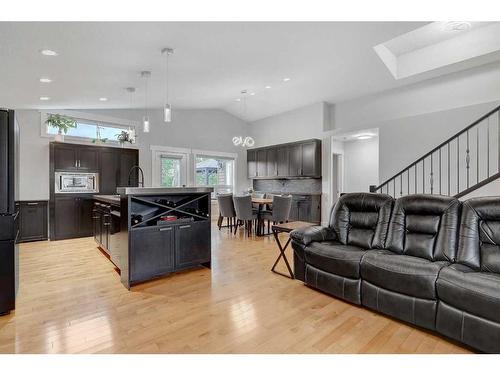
column 71, row 301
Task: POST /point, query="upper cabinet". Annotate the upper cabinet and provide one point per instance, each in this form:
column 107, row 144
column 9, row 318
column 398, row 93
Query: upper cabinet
column 72, row 158
column 290, row 160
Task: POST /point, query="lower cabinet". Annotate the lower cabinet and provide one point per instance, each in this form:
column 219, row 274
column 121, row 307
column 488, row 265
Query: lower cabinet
column 32, row 221
column 72, row 217
column 306, row 208
column 156, row 251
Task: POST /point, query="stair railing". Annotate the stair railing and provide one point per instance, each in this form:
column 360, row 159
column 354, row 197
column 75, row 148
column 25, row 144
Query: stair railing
column 459, row 165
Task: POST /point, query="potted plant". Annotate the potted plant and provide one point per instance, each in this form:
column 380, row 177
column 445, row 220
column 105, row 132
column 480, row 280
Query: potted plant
column 126, row 136
column 62, row 124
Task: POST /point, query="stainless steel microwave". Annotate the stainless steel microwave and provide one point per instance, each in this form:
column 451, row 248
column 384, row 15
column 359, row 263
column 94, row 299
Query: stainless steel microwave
column 69, row 182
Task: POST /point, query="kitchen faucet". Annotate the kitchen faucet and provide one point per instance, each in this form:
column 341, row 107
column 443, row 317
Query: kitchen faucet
column 141, row 180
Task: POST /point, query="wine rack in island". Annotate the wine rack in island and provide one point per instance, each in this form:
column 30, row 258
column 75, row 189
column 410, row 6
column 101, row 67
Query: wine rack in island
column 167, row 230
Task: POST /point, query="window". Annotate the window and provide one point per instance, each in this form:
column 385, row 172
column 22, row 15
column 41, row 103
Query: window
column 91, row 130
column 216, row 172
column 170, row 169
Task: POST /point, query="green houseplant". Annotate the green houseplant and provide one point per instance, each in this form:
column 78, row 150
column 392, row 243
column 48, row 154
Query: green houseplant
column 62, row 123
column 125, row 137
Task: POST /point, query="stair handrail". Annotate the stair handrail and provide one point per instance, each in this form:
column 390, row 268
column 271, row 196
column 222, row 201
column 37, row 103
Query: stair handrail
column 449, row 140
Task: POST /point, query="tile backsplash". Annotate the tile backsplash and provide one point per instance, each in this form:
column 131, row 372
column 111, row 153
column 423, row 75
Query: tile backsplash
column 306, row 185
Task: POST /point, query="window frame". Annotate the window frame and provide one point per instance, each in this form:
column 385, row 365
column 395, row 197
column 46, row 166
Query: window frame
column 157, row 152
column 91, row 119
column 215, row 155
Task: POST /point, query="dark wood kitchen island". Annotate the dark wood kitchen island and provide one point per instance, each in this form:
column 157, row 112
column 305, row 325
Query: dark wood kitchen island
column 163, row 230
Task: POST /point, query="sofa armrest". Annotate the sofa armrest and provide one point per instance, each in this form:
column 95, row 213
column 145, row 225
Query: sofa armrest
column 313, row 234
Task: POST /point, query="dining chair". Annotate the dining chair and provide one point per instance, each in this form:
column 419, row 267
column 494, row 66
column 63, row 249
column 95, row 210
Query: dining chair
column 244, row 212
column 226, row 210
column 280, row 213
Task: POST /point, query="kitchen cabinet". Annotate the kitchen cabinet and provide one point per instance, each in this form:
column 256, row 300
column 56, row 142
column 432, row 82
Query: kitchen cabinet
column 75, row 158
column 306, row 208
column 283, row 161
column 109, row 172
column 191, row 245
column 289, row 160
column 262, row 163
column 74, row 215
column 272, row 169
column 252, row 163
column 32, row 221
column 155, row 252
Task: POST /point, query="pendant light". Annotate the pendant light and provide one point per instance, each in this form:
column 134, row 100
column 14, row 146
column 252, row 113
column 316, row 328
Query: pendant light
column 131, row 128
column 145, row 119
column 167, row 109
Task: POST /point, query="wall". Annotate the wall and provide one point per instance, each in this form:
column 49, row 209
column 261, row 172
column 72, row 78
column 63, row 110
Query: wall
column 210, row 130
column 361, row 165
column 404, row 140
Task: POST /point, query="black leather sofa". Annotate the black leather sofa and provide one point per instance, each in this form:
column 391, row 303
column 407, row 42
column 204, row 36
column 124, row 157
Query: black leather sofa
column 418, row 258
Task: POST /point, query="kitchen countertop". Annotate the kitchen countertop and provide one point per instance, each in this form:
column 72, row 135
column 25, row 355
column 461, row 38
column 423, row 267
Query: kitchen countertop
column 113, row 199
column 160, row 191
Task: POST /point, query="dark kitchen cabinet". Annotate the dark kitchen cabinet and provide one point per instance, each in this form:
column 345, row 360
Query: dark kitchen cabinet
column 191, row 245
column 289, row 160
column 32, row 221
column 156, row 255
column 262, row 163
column 75, row 158
column 295, row 160
column 283, row 161
column 252, row 163
column 109, row 173
column 306, row 208
column 74, row 217
column 127, row 159
column 272, row 169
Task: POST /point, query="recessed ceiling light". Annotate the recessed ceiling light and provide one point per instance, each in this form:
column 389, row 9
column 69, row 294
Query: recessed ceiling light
column 237, row 100
column 44, row 98
column 45, row 80
column 286, row 79
column 48, row 52
column 457, row 26
column 103, row 99
column 365, row 136
column 268, row 87
column 252, row 94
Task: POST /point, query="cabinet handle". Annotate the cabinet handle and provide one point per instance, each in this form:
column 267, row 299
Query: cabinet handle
column 32, row 204
column 165, row 229
column 79, row 163
column 185, row 226
column 107, row 224
column 76, row 163
column 95, row 217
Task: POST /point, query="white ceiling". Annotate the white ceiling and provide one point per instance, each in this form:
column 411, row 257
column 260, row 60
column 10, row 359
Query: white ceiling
column 213, row 62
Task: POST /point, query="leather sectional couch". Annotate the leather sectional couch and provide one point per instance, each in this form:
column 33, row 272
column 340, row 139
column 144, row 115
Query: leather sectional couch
column 429, row 260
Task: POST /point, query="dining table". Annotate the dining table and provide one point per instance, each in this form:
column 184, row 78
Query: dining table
column 260, row 202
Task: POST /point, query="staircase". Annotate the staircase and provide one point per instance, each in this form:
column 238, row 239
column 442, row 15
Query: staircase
column 463, row 163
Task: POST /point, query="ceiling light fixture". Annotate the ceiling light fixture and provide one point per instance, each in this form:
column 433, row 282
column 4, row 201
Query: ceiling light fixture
column 457, row 26
column 286, row 79
column 145, row 119
column 167, row 109
column 252, row 94
column 45, row 80
column 268, row 87
column 44, row 98
column 103, row 99
column 365, row 136
column 48, row 52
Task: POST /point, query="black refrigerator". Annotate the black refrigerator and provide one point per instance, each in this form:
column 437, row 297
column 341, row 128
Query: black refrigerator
column 9, row 159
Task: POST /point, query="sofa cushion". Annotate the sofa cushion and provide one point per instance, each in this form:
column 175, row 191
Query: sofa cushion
column 425, row 226
column 405, row 274
column 333, row 257
column 471, row 291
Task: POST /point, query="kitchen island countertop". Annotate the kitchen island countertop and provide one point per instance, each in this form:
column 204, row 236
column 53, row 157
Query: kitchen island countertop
column 160, row 191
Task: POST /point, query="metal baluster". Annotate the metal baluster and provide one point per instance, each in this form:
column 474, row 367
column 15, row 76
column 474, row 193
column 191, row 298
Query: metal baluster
column 440, row 171
column 394, row 187
column 408, row 191
column 423, row 176
column 449, row 174
column 477, row 154
column 488, row 149
column 432, row 178
column 415, row 179
column 458, row 164
column 401, row 185
column 467, row 159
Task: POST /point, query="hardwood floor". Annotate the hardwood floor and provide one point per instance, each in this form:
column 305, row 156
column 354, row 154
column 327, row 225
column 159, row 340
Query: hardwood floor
column 71, row 301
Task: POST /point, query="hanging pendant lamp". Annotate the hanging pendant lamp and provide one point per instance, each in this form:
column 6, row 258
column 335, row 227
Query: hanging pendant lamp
column 145, row 119
column 167, row 108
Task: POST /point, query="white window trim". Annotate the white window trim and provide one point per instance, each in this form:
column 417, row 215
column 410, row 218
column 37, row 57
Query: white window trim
column 215, row 154
column 183, row 153
column 105, row 120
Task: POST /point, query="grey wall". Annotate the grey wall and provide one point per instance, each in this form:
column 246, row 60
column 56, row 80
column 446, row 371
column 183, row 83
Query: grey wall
column 210, row 130
column 361, row 165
